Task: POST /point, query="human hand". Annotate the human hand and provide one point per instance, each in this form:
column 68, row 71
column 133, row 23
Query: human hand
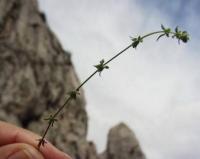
column 18, row 143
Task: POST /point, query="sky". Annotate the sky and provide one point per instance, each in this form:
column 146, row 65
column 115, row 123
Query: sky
column 154, row 89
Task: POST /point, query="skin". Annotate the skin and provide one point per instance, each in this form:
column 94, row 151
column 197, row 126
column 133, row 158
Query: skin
column 14, row 139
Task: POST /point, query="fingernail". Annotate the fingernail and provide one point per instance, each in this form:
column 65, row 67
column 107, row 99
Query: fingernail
column 67, row 156
column 25, row 154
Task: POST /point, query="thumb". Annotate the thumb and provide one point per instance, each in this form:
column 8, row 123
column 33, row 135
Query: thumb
column 19, row 151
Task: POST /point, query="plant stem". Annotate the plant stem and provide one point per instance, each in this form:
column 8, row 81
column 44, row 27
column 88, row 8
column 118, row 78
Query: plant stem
column 42, row 140
column 87, row 79
column 49, row 125
column 156, row 32
column 117, row 54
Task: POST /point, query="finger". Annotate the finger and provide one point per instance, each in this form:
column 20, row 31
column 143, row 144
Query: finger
column 11, row 134
column 19, row 151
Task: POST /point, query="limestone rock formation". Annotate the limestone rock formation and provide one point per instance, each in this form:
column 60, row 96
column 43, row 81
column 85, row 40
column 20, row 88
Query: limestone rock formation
column 122, row 144
column 35, row 76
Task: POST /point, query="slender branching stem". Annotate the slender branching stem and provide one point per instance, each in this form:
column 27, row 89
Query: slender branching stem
column 180, row 35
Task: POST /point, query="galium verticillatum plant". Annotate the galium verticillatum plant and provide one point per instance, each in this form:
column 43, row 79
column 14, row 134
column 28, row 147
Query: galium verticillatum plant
column 181, row 36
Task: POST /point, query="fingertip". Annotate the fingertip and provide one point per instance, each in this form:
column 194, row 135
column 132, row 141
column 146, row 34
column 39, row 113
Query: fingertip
column 51, row 152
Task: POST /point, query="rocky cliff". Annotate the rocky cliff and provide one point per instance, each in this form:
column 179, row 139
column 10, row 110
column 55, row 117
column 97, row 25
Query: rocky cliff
column 35, row 75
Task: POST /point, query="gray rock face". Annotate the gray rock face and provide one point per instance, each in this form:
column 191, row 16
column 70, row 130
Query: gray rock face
column 35, row 76
column 122, row 144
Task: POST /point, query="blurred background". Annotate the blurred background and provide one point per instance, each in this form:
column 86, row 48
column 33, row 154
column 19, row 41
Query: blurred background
column 154, row 89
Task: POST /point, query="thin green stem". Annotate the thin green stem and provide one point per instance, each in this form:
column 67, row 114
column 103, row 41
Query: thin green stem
column 117, row 54
column 87, row 79
column 61, row 108
column 145, row 36
column 156, row 32
column 42, row 140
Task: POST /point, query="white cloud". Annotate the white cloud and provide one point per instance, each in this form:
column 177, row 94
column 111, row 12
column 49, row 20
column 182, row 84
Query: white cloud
column 155, row 89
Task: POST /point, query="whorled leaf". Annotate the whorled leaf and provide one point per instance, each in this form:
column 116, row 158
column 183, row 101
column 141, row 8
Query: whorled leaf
column 101, row 66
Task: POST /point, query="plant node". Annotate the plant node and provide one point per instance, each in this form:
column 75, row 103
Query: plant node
column 181, row 35
column 51, row 120
column 101, row 66
column 73, row 94
column 136, row 41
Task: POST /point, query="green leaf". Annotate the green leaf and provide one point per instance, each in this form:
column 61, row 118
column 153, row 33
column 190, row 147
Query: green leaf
column 160, row 36
column 176, row 29
column 136, row 41
column 162, row 27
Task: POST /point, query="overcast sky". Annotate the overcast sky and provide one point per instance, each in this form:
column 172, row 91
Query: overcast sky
column 154, row 89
